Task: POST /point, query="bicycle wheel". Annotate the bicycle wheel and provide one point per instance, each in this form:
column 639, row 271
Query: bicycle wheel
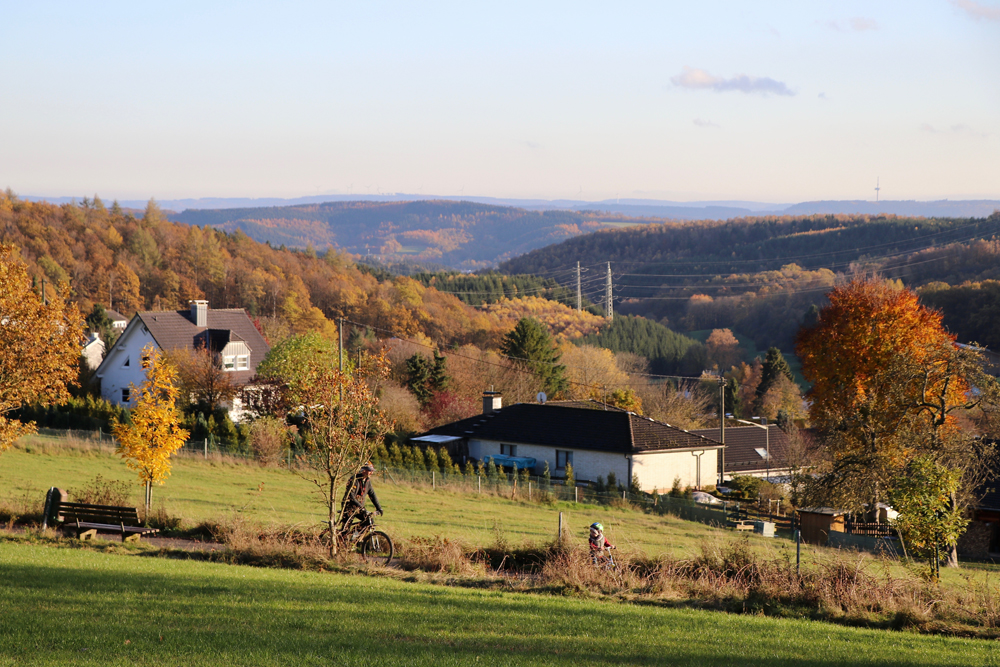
column 376, row 548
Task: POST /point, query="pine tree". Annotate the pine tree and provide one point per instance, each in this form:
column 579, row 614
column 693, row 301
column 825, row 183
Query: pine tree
column 418, row 375
column 774, row 367
column 531, row 344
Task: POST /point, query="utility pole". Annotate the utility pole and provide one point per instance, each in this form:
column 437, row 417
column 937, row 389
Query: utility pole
column 610, row 308
column 340, row 335
column 579, row 299
column 722, row 427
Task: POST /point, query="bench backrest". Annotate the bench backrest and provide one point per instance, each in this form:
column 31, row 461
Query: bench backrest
column 99, row 513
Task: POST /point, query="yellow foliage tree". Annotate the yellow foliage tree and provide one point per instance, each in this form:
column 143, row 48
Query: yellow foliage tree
column 39, row 344
column 154, row 433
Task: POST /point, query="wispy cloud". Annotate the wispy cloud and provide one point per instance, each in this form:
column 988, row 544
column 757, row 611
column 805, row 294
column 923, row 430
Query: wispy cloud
column 959, row 129
column 822, row 96
column 534, row 145
column 699, row 79
column 701, row 122
column 857, row 24
column 978, row 10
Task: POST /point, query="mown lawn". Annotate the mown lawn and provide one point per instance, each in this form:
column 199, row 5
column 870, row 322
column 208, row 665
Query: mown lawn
column 213, row 490
column 201, row 490
column 62, row 606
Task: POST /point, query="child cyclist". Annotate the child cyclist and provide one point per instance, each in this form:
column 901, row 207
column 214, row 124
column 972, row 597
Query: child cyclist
column 598, row 542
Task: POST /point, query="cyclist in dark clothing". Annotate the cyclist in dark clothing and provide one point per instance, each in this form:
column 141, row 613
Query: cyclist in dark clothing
column 357, row 489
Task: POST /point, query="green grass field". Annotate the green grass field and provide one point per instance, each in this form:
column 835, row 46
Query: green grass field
column 205, row 490
column 62, row 606
column 201, row 490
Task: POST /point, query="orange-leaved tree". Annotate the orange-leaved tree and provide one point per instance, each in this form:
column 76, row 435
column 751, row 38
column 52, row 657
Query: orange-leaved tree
column 888, row 381
column 153, row 433
column 857, row 356
column 39, row 343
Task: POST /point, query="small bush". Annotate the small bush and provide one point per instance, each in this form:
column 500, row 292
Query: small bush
column 100, row 491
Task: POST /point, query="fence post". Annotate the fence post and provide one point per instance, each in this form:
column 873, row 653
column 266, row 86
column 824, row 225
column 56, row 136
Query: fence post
column 529, row 489
column 479, row 478
column 798, row 549
column 576, row 494
column 433, row 480
column 560, row 527
column 206, row 448
column 623, row 495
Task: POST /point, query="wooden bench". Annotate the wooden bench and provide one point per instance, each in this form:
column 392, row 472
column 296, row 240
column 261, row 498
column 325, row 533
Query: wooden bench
column 87, row 520
column 743, row 525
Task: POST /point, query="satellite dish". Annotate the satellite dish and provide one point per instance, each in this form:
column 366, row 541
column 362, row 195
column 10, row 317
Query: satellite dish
column 542, row 397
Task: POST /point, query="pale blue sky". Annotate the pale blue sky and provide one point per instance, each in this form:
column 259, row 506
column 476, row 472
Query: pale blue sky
column 767, row 101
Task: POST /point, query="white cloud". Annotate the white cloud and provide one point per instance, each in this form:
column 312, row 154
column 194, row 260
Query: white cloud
column 958, row 129
column 701, row 122
column 699, row 79
column 978, row 10
column 857, row 24
column 861, row 24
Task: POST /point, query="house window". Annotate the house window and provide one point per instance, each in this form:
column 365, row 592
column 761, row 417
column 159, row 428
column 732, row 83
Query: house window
column 508, row 450
column 126, row 394
column 228, row 362
column 242, row 362
column 562, row 458
column 128, row 362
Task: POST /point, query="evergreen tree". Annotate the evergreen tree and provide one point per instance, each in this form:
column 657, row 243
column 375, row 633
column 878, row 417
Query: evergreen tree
column 438, row 375
column 418, row 375
column 531, row 344
column 774, row 367
column 733, row 403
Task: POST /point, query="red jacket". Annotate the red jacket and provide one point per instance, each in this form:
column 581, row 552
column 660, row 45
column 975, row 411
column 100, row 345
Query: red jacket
column 599, row 542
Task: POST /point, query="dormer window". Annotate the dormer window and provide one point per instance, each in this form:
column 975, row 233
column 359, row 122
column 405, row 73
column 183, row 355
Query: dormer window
column 242, row 362
column 228, row 362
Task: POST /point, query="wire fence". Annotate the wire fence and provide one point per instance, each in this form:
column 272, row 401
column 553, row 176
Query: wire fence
column 500, row 483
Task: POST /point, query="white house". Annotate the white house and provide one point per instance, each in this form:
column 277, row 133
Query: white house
column 594, row 441
column 118, row 321
column 93, row 350
column 228, row 333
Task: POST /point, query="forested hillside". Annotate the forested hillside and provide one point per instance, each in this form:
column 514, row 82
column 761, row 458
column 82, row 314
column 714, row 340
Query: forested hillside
column 763, row 276
column 130, row 263
column 458, row 234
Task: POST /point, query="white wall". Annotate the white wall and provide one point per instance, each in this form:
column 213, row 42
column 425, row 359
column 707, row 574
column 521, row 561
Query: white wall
column 658, row 470
column 587, row 465
column 115, row 376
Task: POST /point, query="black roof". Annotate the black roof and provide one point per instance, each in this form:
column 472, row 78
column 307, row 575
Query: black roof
column 573, row 427
column 742, row 443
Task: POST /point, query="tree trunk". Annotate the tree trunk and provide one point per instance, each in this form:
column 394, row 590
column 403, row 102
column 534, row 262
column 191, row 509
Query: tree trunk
column 951, row 556
column 148, row 498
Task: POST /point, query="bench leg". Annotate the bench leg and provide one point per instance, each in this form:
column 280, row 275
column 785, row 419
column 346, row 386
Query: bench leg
column 87, row 534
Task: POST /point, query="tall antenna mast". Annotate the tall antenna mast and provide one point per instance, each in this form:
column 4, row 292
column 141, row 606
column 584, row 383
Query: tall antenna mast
column 877, row 188
column 579, row 299
column 610, row 308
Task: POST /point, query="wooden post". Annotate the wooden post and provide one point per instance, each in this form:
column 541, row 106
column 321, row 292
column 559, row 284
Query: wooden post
column 433, row 480
column 479, row 479
column 529, row 489
column 206, row 448
column 576, row 494
column 560, row 527
column 798, row 549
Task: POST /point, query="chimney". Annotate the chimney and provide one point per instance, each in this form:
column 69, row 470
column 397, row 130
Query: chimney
column 199, row 313
column 492, row 401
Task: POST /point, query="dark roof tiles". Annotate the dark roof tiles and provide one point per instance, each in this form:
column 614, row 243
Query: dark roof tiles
column 575, row 427
column 173, row 330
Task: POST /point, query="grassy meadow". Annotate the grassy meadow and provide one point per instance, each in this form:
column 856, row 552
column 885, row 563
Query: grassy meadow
column 84, row 607
column 199, row 490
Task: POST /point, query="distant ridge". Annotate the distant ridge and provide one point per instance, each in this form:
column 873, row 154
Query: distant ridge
column 650, row 208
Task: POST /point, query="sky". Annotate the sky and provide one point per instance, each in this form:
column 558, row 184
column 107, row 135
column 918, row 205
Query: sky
column 765, row 101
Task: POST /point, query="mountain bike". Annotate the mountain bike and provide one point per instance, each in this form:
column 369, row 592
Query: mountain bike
column 604, row 560
column 361, row 536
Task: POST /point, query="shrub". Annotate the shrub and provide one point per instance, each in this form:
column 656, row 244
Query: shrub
column 100, row 491
column 269, row 438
